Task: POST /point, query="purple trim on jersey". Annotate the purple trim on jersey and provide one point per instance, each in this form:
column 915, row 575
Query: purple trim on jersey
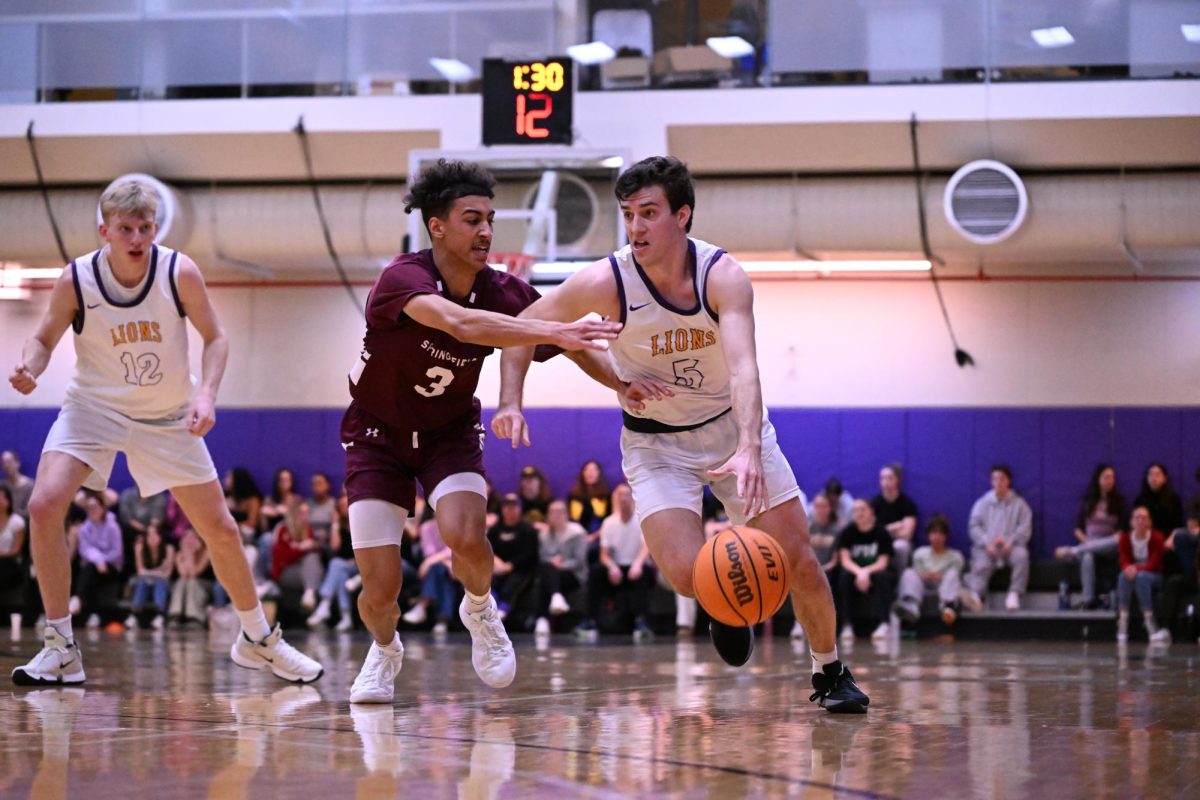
column 704, row 289
column 174, row 288
column 77, row 323
column 145, row 289
column 612, row 259
column 662, row 301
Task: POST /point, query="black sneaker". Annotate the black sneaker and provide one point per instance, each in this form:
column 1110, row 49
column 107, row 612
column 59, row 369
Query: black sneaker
column 836, row 691
column 734, row 644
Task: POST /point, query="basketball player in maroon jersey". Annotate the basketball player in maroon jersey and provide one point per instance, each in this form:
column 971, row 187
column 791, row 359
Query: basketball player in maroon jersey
column 432, row 317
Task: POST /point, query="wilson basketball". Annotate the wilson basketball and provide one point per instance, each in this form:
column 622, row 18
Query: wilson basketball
column 740, row 576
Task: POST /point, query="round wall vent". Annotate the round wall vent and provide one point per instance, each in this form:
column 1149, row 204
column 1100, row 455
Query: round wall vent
column 576, row 205
column 173, row 220
column 985, row 201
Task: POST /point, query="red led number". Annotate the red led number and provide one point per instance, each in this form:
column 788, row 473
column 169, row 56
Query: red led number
column 527, row 120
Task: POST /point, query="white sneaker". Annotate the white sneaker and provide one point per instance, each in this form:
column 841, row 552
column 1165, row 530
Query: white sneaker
column 74, row 605
column 59, row 662
column 345, row 624
column 376, row 681
column 1160, row 636
column 131, row 622
column 308, row 600
column 541, row 627
column 881, row 633
column 275, row 654
column 971, row 600
column 320, row 615
column 797, row 631
column 157, row 622
column 93, row 621
column 416, row 615
column 353, row 583
column 491, row 651
column 559, row 604
column 847, row 634
column 1122, row 628
column 1012, row 601
column 440, row 628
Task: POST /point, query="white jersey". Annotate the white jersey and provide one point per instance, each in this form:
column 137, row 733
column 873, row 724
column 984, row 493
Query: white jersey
column 678, row 347
column 132, row 356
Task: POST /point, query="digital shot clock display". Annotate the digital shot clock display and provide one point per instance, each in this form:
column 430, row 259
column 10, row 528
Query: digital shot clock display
column 527, row 102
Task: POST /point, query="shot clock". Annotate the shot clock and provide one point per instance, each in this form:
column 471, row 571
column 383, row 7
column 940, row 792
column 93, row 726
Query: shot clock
column 527, row 102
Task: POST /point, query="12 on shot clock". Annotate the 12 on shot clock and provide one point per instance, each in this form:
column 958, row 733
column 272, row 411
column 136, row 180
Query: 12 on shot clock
column 527, row 102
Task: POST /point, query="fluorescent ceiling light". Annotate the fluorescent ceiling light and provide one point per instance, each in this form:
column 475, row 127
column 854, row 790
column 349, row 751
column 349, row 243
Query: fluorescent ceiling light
column 835, row 266
column 452, row 69
column 1191, row 32
column 18, row 273
column 591, row 53
column 1058, row 36
column 13, row 293
column 730, row 46
column 613, row 162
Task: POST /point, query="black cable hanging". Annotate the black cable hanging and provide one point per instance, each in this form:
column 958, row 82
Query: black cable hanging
column 312, row 184
column 961, row 356
column 37, row 167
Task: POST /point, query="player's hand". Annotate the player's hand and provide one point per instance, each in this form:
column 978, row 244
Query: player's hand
column 588, row 333
column 509, row 423
column 642, row 389
column 746, row 464
column 202, row 415
column 22, row 379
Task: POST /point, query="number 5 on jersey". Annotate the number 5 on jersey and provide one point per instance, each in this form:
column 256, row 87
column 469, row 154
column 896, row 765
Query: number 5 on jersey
column 441, row 379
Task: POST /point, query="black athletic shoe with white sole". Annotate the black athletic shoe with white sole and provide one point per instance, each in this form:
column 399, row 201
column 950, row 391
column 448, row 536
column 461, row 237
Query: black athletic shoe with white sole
column 734, row 644
column 836, row 691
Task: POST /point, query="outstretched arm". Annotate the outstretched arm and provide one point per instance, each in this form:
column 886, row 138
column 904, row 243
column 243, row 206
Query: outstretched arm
column 193, row 296
column 35, row 356
column 500, row 330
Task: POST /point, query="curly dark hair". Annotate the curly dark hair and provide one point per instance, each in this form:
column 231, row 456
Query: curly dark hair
column 244, row 485
column 666, row 171
column 440, row 184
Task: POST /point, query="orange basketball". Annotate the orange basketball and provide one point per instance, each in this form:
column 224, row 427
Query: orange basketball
column 740, row 576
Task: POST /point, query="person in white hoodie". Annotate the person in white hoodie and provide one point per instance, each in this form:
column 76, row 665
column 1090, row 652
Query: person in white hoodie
column 1001, row 524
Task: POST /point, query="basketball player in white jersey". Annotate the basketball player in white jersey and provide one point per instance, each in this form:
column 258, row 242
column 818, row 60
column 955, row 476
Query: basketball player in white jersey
column 132, row 391
column 688, row 323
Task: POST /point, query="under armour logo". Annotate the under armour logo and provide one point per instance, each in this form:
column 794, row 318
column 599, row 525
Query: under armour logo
column 373, row 432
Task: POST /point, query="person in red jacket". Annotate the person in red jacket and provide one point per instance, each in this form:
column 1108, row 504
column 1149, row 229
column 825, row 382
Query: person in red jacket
column 1141, row 553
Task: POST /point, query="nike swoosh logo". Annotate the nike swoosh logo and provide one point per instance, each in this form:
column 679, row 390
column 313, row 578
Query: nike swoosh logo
column 66, row 664
column 93, row 305
column 635, row 308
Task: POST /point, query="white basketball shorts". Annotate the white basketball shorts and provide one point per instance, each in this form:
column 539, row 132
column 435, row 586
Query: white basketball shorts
column 670, row 470
column 160, row 454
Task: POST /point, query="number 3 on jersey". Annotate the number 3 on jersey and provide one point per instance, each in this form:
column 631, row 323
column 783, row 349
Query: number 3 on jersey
column 141, row 370
column 441, row 379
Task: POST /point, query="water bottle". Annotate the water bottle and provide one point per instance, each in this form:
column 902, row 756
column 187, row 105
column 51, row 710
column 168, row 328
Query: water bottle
column 1064, row 596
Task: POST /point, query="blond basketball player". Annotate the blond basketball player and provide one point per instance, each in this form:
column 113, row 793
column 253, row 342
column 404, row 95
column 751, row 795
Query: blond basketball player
column 686, row 307
column 132, row 391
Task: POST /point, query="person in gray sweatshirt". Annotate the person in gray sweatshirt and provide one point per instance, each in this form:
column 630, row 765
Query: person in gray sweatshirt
column 1001, row 524
column 562, row 551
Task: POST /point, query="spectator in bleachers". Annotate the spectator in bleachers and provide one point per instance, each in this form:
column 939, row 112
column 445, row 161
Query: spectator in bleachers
column 1159, row 498
column 534, row 491
column 12, row 541
column 935, row 568
column 841, row 501
column 134, row 514
column 21, row 486
column 493, row 505
column 283, row 491
column 1001, row 525
column 865, row 556
column 590, row 499
column 190, row 592
column 1101, row 515
column 562, row 564
column 515, row 549
column 896, row 513
column 439, row 588
column 245, row 501
column 101, row 559
column 1184, row 546
column 322, row 511
column 1141, row 553
column 296, row 554
column 623, row 568
column 341, row 568
column 822, row 537
column 155, row 560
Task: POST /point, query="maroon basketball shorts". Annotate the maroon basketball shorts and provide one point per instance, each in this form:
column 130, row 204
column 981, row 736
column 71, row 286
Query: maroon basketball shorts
column 383, row 463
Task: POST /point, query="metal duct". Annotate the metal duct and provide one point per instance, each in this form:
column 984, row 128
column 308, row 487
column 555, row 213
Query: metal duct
column 1071, row 218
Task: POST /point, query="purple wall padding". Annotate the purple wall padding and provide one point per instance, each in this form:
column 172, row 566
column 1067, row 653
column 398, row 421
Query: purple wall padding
column 946, row 452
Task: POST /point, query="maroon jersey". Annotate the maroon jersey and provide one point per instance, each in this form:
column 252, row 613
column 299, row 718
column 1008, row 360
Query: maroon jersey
column 417, row 378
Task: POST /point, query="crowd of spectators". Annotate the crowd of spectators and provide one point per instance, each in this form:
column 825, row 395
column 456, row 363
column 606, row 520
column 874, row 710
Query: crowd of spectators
column 578, row 561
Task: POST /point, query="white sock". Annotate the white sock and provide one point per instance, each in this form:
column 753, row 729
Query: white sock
column 477, row 603
column 821, row 659
column 254, row 623
column 391, row 647
column 63, row 626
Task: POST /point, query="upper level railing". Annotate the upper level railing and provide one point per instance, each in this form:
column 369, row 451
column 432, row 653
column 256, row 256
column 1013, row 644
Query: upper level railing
column 54, row 50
